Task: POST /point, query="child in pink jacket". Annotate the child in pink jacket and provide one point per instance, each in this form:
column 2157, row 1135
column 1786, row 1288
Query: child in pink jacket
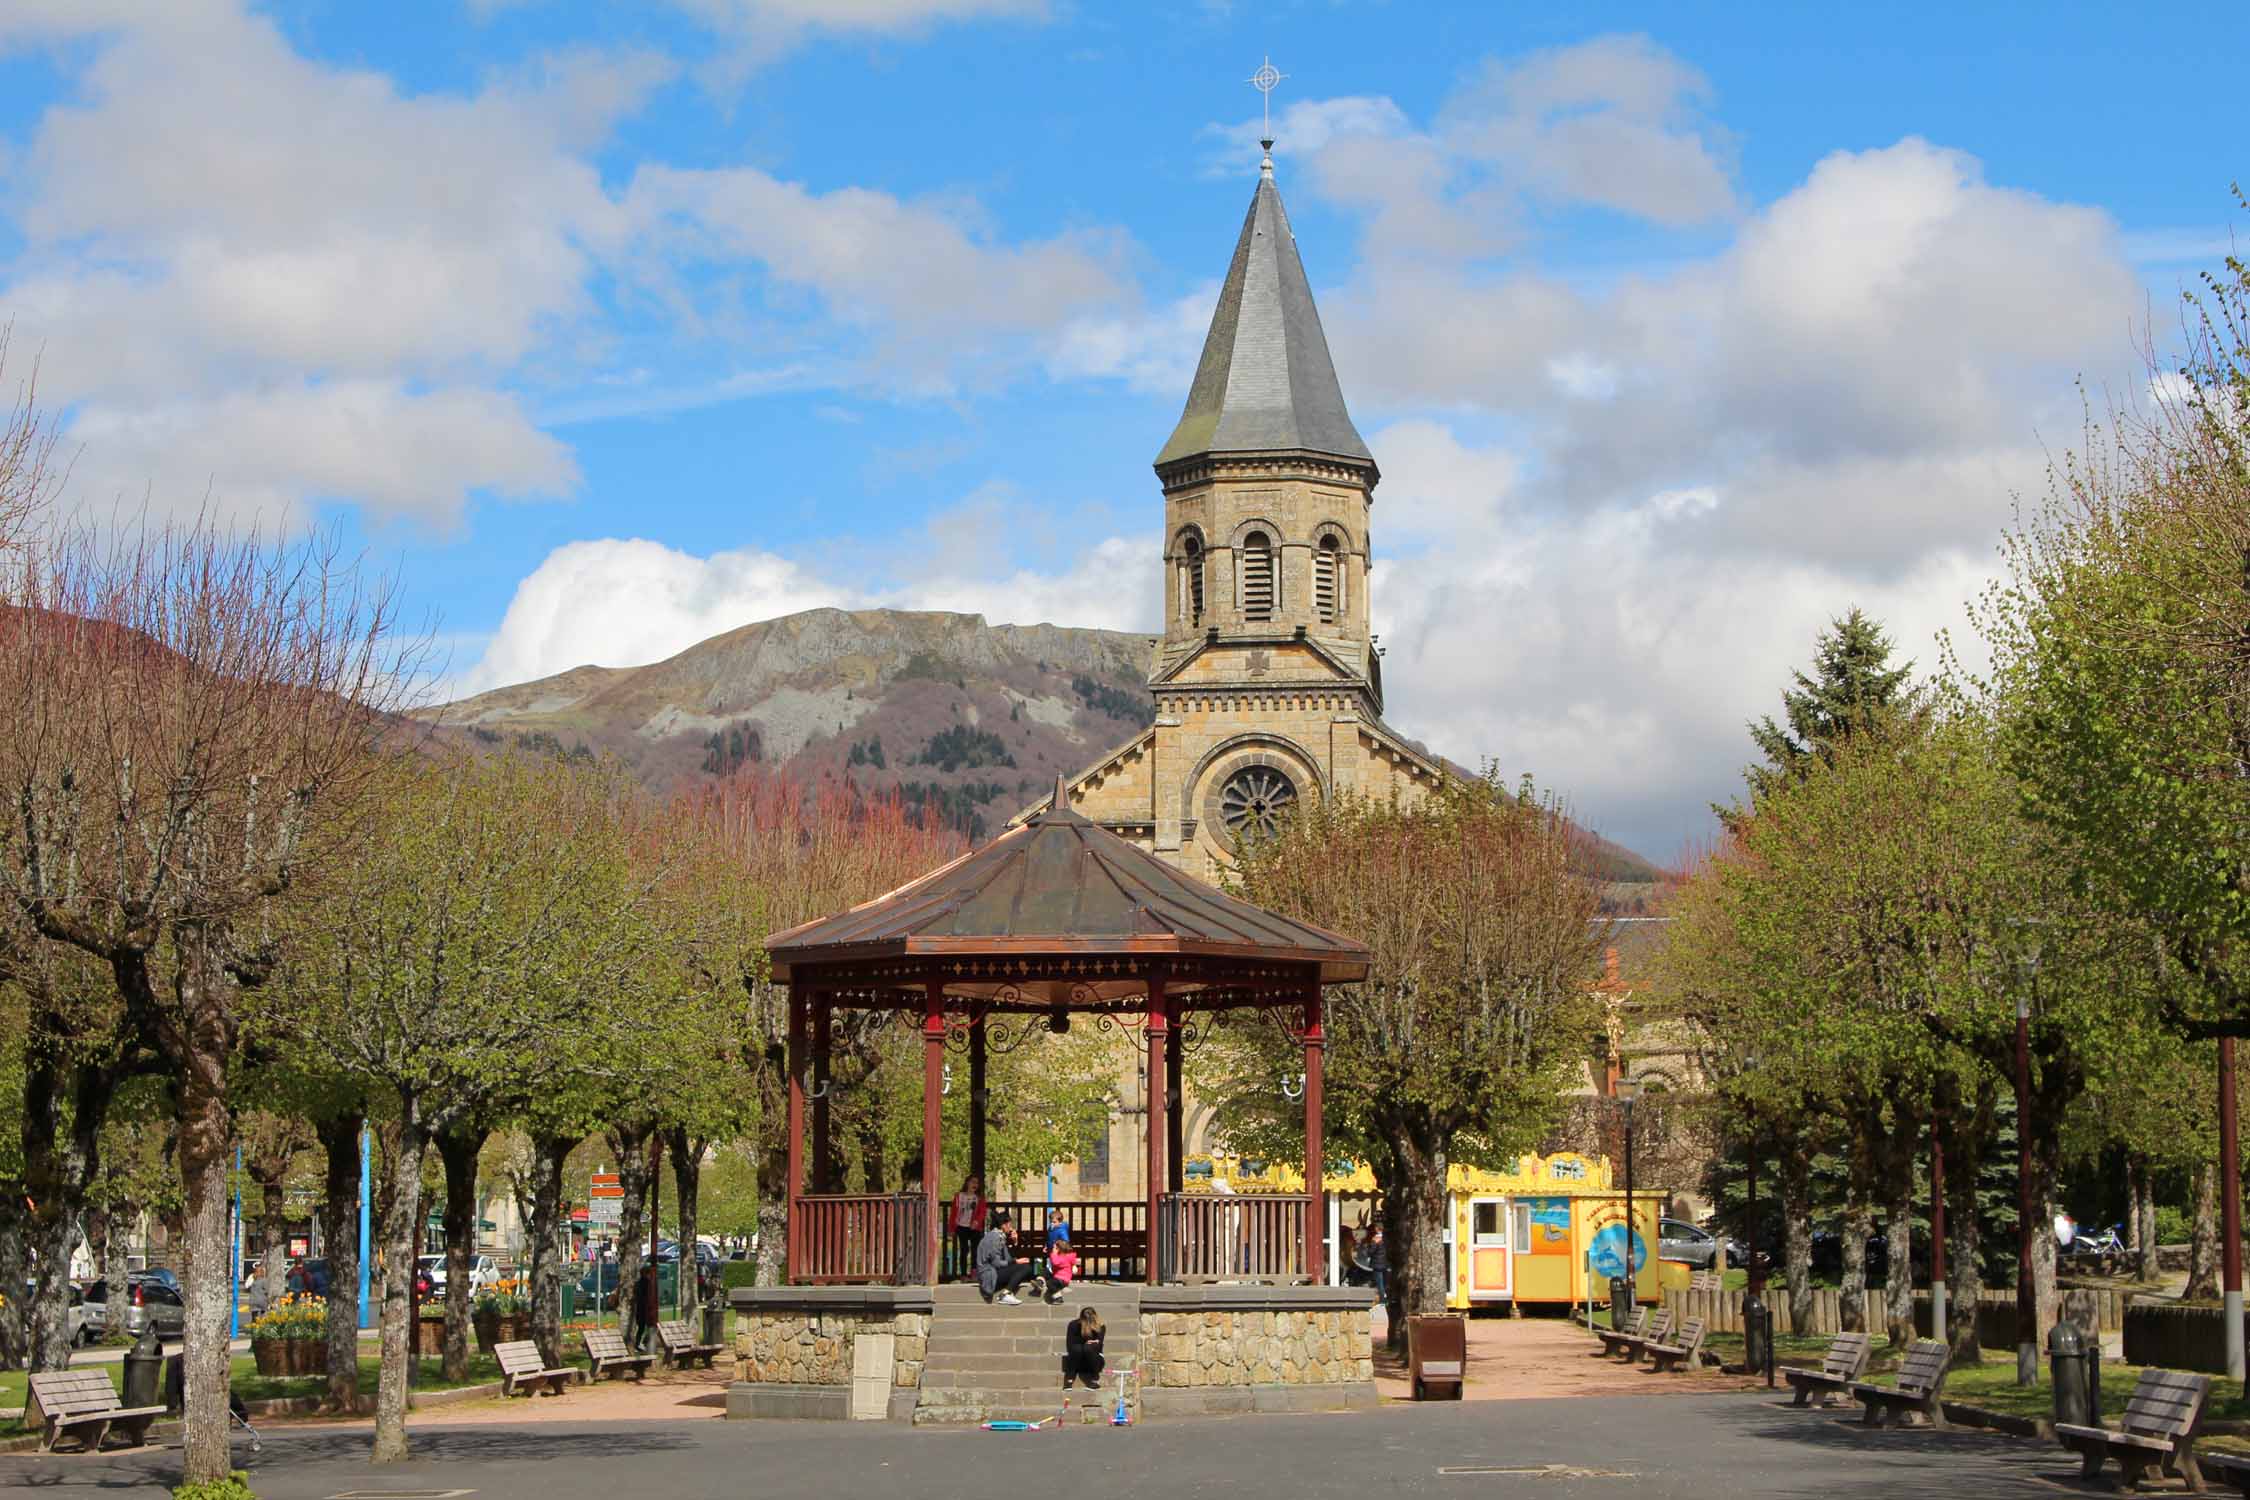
column 1062, row 1267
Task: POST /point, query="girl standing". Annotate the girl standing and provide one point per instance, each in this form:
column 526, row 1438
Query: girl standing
column 967, row 1219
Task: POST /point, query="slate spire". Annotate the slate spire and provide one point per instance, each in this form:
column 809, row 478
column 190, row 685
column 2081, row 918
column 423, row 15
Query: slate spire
column 1265, row 383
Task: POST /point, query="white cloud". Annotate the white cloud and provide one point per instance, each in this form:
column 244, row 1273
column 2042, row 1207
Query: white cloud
column 755, row 32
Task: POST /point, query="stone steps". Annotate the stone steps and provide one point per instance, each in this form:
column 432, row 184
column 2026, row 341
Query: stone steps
column 988, row 1362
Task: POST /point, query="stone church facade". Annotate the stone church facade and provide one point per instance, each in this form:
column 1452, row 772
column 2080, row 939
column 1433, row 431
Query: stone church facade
column 1269, row 689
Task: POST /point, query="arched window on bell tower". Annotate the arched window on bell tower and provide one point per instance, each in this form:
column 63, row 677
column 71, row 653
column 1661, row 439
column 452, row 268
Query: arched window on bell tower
column 1328, row 580
column 1258, row 590
column 1191, row 579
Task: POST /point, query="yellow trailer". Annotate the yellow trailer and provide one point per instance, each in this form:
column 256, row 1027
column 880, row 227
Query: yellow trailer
column 1529, row 1236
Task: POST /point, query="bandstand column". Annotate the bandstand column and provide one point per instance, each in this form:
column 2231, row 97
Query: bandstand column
column 977, row 1104
column 933, row 1108
column 1175, row 1135
column 823, row 1154
column 796, row 1124
column 1159, row 1038
column 1316, row 1210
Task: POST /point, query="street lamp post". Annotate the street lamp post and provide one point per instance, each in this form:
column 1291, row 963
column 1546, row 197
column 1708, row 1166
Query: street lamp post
column 1628, row 1093
column 2027, row 1302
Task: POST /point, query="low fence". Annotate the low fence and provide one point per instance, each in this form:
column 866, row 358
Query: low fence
column 1223, row 1237
column 1110, row 1238
column 2177, row 1337
column 868, row 1238
column 2102, row 1311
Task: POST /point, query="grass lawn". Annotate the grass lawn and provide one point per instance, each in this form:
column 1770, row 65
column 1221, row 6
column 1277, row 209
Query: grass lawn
column 251, row 1386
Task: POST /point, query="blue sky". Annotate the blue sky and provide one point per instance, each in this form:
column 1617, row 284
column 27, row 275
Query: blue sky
column 1676, row 329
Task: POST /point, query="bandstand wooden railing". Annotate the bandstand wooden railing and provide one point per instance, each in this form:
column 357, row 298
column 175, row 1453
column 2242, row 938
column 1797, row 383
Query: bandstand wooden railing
column 877, row 1238
column 1239, row 1237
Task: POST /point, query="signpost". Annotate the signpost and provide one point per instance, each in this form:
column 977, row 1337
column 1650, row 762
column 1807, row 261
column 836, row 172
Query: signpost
column 605, row 1209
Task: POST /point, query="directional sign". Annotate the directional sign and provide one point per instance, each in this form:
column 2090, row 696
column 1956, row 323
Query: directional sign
column 605, row 1200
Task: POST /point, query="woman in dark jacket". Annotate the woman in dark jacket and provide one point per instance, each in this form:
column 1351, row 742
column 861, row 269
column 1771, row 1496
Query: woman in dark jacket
column 1082, row 1350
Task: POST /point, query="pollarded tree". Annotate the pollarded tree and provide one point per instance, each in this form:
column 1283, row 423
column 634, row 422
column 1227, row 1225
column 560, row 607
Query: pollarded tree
column 1474, row 1018
column 447, row 965
column 186, row 721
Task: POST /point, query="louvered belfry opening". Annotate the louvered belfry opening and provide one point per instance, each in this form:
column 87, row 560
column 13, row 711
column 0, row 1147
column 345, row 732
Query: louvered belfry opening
column 1328, row 573
column 1257, row 577
column 1191, row 596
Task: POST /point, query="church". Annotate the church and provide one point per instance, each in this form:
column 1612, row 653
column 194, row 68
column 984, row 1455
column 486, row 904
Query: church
column 1269, row 689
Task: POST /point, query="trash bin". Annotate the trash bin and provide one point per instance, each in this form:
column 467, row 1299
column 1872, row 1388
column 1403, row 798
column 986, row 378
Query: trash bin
column 175, row 1381
column 1620, row 1300
column 1757, row 1333
column 144, row 1371
column 714, row 1322
column 2067, row 1352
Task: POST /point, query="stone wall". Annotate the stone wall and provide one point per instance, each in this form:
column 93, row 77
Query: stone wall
column 793, row 1346
column 1250, row 1348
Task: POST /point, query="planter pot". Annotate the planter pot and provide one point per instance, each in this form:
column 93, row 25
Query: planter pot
column 498, row 1328
column 429, row 1335
column 290, row 1356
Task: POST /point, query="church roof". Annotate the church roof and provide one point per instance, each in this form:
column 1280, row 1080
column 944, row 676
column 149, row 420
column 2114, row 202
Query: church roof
column 1062, row 884
column 1265, row 383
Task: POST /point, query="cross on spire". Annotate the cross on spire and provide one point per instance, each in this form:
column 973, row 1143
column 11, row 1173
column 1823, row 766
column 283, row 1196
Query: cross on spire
column 1265, row 80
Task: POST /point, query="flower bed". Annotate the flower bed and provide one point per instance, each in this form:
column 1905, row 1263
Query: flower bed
column 502, row 1315
column 291, row 1337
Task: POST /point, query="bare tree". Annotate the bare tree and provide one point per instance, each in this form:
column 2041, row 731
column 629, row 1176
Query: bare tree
column 186, row 720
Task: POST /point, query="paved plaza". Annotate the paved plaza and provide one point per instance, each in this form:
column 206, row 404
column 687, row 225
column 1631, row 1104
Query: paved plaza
column 1731, row 1447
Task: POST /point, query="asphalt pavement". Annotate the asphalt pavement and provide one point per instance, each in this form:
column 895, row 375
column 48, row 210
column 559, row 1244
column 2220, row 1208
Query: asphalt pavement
column 1732, row 1447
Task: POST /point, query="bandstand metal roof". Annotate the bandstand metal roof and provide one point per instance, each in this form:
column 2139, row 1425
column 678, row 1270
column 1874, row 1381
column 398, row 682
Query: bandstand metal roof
column 1060, row 912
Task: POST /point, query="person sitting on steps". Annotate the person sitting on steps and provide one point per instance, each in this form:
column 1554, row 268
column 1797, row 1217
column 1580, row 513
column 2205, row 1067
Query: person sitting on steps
column 999, row 1273
column 1082, row 1350
column 1062, row 1266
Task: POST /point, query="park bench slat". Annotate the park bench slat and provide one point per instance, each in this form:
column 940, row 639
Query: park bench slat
column 1683, row 1354
column 1615, row 1340
column 680, row 1344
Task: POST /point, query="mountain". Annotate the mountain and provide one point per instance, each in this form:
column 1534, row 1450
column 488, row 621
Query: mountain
column 975, row 718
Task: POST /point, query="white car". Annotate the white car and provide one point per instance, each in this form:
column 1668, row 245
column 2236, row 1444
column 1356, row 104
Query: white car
column 484, row 1270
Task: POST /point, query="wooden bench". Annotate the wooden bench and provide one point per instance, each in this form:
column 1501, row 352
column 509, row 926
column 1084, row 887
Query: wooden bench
column 84, row 1404
column 522, row 1369
column 2158, row 1430
column 1437, row 1353
column 1620, row 1340
column 2228, row 1468
column 607, row 1354
column 1678, row 1356
column 680, row 1346
column 1844, row 1363
column 1659, row 1331
column 1920, row 1378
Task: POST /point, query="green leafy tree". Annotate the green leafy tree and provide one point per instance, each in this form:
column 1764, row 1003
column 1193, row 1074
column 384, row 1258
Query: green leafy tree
column 1474, row 1018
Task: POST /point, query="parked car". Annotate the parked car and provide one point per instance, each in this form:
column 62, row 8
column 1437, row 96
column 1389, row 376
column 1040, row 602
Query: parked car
column 484, row 1270
column 1676, row 1239
column 89, row 1312
column 152, row 1302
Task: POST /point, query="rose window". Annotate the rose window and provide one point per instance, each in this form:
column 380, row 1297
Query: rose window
column 1254, row 800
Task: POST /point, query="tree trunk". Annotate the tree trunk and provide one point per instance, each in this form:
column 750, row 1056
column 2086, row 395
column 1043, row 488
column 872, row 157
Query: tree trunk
column 2144, row 1224
column 773, row 1240
column 687, row 1183
column 60, row 1165
column 1898, row 1284
column 458, row 1149
column 15, row 1269
column 1795, row 1171
column 630, row 1142
column 201, row 1043
column 273, row 1227
column 549, row 1153
column 399, row 1237
column 1859, row 1227
column 339, row 1142
column 2203, row 1241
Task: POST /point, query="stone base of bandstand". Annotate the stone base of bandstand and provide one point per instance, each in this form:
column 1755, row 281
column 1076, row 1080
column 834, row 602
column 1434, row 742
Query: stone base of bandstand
column 1204, row 1350
column 1219, row 1350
